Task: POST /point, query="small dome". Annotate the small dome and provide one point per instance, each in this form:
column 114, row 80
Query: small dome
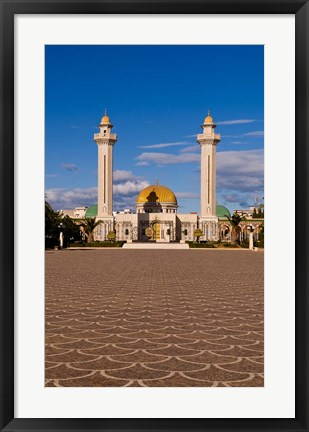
column 208, row 119
column 105, row 120
column 91, row 211
column 156, row 194
column 222, row 211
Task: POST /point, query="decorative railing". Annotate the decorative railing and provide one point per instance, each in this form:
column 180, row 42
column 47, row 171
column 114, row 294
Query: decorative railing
column 105, row 135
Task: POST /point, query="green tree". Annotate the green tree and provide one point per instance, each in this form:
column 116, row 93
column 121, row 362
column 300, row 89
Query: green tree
column 89, row 225
column 52, row 221
column 235, row 224
column 71, row 230
column 111, row 236
column 198, row 233
column 260, row 213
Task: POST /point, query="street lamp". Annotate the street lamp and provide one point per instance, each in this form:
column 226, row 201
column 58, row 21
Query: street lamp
column 251, row 230
column 61, row 227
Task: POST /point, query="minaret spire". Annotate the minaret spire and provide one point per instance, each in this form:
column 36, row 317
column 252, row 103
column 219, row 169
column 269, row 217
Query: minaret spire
column 208, row 141
column 105, row 140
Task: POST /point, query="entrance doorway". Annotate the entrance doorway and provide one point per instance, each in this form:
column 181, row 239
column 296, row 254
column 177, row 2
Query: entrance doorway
column 156, row 231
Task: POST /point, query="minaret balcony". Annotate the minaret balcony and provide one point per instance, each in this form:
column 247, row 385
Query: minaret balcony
column 201, row 137
column 99, row 135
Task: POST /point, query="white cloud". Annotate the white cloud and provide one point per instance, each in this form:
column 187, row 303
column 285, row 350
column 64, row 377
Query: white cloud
column 167, row 158
column 162, row 145
column 130, row 187
column 241, row 200
column 125, row 183
column 119, row 175
column 240, row 170
column 69, row 198
column 233, row 198
column 142, row 164
column 254, row 134
column 241, row 162
column 240, row 142
column 69, row 167
column 124, row 192
column 233, row 122
column 192, row 148
column 240, row 183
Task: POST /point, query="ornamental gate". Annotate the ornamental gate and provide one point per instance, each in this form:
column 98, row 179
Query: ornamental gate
column 156, row 231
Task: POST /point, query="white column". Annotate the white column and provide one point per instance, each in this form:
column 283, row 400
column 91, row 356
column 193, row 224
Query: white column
column 105, row 180
column 61, row 239
column 105, row 140
column 208, row 180
column 251, row 240
column 208, row 141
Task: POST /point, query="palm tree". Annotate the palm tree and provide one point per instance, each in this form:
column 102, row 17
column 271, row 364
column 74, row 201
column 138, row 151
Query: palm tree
column 89, row 226
column 235, row 223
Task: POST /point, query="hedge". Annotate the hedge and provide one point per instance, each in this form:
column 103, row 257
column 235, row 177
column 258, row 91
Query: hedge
column 211, row 245
column 201, row 245
column 99, row 244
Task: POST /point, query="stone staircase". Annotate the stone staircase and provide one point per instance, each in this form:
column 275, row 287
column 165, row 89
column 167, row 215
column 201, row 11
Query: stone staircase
column 155, row 245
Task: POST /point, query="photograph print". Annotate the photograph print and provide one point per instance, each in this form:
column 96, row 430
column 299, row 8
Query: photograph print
column 154, row 216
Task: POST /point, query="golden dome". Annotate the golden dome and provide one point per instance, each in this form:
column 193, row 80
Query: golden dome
column 156, row 194
column 208, row 119
column 105, row 120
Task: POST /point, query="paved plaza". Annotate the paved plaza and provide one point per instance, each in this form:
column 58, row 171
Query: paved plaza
column 154, row 318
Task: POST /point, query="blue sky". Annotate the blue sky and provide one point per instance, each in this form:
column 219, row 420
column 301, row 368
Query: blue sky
column 157, row 98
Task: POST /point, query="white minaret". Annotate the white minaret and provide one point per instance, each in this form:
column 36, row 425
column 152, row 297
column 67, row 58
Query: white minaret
column 105, row 141
column 208, row 141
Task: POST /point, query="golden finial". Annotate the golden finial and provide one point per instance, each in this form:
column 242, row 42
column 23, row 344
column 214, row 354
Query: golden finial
column 157, row 182
column 105, row 112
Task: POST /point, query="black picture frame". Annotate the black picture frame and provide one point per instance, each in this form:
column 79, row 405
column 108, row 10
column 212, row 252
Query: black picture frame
column 10, row 8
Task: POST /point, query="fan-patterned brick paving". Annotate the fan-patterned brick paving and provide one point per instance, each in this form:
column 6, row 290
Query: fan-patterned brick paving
column 154, row 318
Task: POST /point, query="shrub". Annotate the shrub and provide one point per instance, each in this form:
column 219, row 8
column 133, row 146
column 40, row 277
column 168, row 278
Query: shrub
column 259, row 243
column 212, row 244
column 205, row 245
column 50, row 243
column 111, row 236
column 227, row 245
column 244, row 244
column 198, row 233
column 99, row 244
